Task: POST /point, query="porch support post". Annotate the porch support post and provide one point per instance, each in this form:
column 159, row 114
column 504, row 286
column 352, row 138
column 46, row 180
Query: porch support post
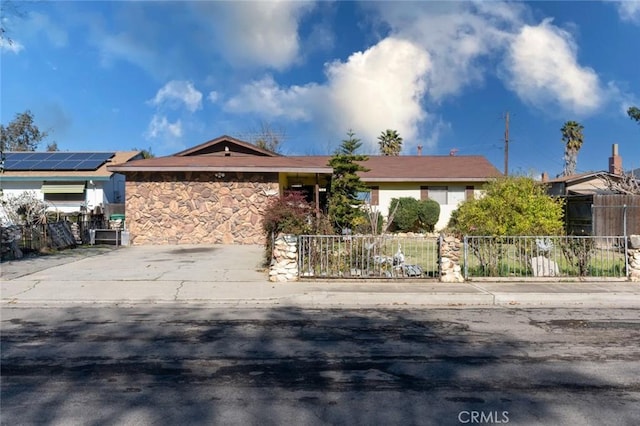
column 317, row 195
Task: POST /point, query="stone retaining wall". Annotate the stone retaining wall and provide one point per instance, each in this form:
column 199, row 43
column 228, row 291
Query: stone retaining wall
column 633, row 254
column 197, row 207
column 449, row 252
column 284, row 266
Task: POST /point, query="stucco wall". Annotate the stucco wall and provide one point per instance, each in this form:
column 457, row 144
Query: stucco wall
column 93, row 194
column 388, row 191
column 197, row 208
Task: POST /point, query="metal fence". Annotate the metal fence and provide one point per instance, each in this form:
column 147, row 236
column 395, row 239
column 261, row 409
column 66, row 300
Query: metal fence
column 36, row 237
column 367, row 256
column 553, row 256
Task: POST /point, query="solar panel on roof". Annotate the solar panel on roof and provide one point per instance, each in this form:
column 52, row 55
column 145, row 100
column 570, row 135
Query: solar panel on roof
column 90, row 164
column 66, row 165
column 77, row 156
column 50, row 161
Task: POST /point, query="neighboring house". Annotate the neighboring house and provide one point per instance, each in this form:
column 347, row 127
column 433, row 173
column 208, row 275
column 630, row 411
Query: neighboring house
column 66, row 181
column 216, row 192
column 579, row 184
column 591, row 207
column 589, row 183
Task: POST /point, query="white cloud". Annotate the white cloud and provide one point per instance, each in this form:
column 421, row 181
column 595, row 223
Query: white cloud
column 455, row 34
column 542, row 69
column 373, row 90
column 267, row 98
column 629, row 10
column 177, row 93
column 378, row 89
column 431, row 52
column 263, row 33
column 213, row 96
column 11, row 46
column 160, row 127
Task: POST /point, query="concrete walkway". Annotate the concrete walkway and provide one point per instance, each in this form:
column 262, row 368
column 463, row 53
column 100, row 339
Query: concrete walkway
column 232, row 275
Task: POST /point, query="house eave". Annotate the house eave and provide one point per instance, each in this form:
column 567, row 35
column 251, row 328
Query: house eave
column 424, row 179
column 6, row 178
column 248, row 169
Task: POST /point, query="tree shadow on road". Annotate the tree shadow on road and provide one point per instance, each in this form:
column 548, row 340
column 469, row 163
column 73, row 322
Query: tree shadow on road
column 194, row 365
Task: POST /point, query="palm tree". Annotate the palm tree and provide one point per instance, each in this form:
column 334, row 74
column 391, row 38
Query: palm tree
column 573, row 139
column 634, row 113
column 390, row 142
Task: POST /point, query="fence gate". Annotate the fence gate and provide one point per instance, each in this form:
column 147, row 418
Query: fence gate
column 367, row 256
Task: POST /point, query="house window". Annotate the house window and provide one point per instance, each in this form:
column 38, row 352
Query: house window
column 64, row 198
column 63, row 192
column 438, row 194
column 364, row 196
column 456, row 195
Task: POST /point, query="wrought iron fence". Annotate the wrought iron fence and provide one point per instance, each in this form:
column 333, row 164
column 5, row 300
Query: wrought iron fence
column 367, row 256
column 552, row 256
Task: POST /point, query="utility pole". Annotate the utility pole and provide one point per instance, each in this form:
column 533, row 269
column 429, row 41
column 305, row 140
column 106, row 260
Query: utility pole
column 506, row 144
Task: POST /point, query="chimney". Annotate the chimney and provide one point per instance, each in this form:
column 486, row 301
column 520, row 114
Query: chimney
column 419, row 149
column 615, row 161
column 545, row 177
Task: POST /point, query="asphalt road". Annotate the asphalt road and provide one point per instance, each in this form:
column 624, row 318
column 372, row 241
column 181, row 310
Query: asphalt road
column 169, row 365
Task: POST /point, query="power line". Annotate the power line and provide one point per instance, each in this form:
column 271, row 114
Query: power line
column 506, row 144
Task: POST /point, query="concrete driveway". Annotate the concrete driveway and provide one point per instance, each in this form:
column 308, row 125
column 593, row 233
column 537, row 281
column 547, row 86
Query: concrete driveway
column 212, row 263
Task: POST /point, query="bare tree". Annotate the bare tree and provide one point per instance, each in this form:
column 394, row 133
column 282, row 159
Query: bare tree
column 627, row 183
column 266, row 136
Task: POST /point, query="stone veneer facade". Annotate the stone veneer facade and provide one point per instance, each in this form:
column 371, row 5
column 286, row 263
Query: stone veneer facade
column 197, row 207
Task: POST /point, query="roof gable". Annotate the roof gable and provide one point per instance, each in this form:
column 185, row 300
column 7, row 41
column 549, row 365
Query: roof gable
column 226, row 146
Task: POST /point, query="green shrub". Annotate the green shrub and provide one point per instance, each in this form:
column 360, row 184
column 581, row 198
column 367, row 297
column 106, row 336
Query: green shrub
column 413, row 215
column 514, row 205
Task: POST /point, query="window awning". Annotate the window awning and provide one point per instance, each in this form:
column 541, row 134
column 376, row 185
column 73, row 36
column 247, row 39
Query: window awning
column 62, row 188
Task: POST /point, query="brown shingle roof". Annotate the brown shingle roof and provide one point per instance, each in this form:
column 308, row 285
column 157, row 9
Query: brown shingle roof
column 415, row 168
column 230, row 164
column 382, row 169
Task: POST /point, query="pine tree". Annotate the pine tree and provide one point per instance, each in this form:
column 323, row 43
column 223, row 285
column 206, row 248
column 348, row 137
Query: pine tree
column 346, row 184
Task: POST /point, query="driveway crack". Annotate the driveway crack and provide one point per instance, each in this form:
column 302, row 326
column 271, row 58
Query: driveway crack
column 29, row 289
column 175, row 297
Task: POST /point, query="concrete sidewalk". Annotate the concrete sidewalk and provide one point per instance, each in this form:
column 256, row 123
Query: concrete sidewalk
column 228, row 275
column 320, row 294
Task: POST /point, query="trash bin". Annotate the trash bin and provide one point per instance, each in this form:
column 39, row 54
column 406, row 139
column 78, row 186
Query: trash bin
column 116, row 221
column 124, row 238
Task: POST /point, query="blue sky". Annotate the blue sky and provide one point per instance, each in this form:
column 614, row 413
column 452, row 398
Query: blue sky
column 170, row 75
